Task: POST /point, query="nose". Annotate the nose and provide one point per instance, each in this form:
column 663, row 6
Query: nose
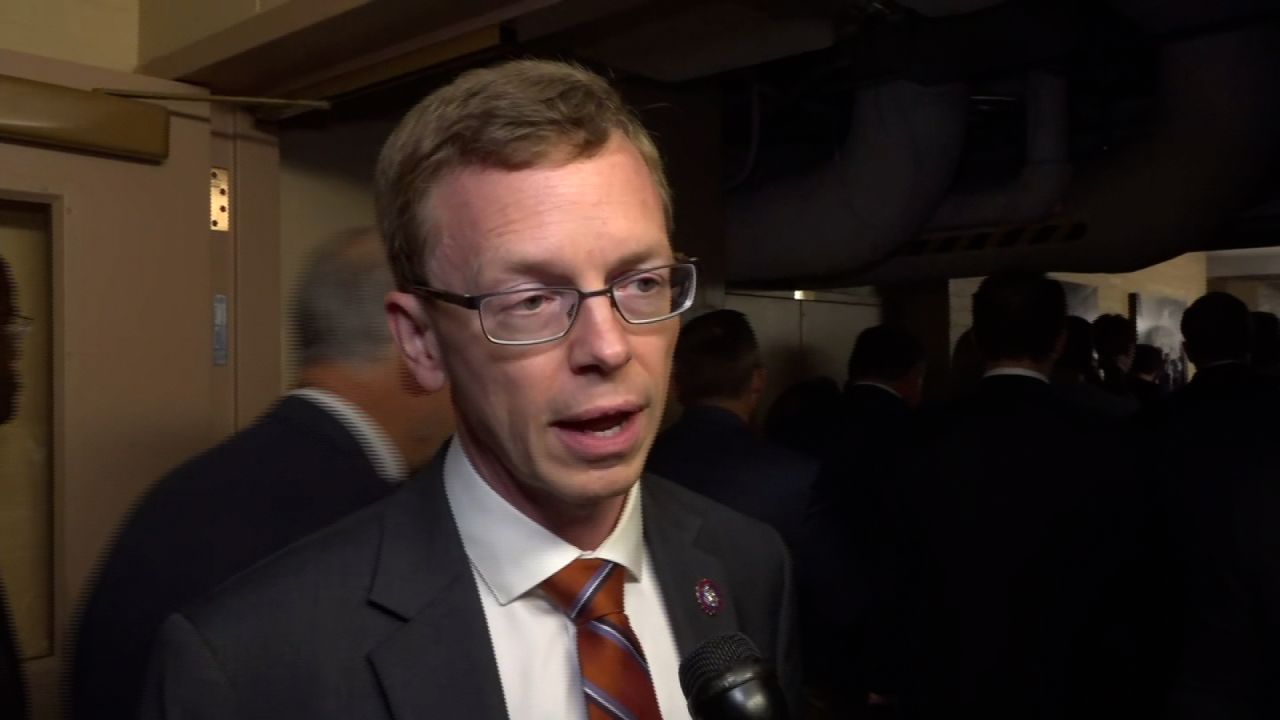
column 598, row 341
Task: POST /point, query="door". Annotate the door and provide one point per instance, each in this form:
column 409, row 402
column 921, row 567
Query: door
column 117, row 265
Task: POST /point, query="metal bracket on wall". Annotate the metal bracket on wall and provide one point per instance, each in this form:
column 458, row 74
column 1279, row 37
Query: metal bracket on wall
column 220, row 199
column 221, row 342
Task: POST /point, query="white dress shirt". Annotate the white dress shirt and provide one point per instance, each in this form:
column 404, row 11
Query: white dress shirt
column 1016, row 372
column 378, row 447
column 534, row 643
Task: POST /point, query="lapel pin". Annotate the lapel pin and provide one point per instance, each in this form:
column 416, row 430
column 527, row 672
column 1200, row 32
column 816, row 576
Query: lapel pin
column 709, row 596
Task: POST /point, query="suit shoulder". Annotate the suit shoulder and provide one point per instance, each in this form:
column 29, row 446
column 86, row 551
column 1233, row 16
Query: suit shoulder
column 332, row 565
column 267, row 442
column 719, row 522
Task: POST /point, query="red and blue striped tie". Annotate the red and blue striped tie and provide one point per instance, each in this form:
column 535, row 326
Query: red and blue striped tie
column 615, row 674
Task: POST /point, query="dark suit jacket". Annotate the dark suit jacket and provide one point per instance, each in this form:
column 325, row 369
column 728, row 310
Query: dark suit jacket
column 1223, row 464
column 380, row 616
column 292, row 473
column 851, row 565
column 1020, row 539
column 1230, row 656
column 712, row 452
column 13, row 696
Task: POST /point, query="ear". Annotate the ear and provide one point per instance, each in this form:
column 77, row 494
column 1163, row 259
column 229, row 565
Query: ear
column 1059, row 345
column 758, row 380
column 415, row 336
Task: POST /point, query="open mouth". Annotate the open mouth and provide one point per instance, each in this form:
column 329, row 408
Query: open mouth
column 597, row 437
column 603, row 426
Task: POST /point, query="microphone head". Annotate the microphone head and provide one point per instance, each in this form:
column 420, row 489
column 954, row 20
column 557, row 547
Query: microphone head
column 715, row 657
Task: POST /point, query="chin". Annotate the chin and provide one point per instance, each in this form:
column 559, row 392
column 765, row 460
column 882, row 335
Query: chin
column 587, row 485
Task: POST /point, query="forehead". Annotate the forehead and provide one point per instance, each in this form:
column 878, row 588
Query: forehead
column 596, row 206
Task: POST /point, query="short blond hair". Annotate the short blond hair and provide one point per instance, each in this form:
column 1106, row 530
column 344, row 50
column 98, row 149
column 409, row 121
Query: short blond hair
column 513, row 116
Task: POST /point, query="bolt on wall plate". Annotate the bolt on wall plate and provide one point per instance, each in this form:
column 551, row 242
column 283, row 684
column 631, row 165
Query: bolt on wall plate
column 220, row 199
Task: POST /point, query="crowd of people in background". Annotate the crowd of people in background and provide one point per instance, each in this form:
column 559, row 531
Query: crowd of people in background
column 1071, row 534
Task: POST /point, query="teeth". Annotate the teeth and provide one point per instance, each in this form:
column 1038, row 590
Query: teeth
column 607, row 433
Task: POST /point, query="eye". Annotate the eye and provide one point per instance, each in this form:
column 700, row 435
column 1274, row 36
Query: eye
column 643, row 284
column 533, row 302
column 529, row 303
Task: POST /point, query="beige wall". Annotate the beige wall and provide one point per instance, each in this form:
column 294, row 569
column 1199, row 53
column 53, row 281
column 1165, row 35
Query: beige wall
column 326, row 186
column 167, row 25
column 1184, row 278
column 26, row 442
column 802, row 339
column 124, row 283
column 1258, row 294
column 92, row 32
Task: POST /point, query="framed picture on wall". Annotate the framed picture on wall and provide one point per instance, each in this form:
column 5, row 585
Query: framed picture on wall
column 1158, row 321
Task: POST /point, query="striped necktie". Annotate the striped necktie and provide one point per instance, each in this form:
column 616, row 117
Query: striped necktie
column 615, row 674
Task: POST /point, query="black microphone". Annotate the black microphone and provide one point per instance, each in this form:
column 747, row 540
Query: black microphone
column 725, row 679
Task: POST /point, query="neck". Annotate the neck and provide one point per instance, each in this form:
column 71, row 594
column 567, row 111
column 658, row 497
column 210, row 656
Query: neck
column 742, row 408
column 1044, row 368
column 583, row 524
column 376, row 389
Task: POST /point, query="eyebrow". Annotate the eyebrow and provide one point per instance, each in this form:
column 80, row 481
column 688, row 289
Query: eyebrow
column 638, row 260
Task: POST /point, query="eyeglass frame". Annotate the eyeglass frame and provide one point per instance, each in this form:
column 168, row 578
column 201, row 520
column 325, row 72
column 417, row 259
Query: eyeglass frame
column 473, row 302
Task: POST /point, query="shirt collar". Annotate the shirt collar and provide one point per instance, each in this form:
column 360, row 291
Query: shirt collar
column 882, row 386
column 512, row 553
column 382, row 453
column 1016, row 372
column 1221, row 363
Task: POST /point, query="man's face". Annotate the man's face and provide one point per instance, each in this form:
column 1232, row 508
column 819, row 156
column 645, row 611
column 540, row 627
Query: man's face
column 569, row 421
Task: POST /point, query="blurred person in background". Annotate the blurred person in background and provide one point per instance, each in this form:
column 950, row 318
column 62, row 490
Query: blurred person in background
column 357, row 426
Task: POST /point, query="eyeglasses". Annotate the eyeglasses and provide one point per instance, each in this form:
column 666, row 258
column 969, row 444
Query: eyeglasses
column 18, row 326
column 529, row 316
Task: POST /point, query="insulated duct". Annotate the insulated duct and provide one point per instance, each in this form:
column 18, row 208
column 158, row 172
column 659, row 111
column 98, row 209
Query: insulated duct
column 1209, row 158
column 1043, row 180
column 896, row 165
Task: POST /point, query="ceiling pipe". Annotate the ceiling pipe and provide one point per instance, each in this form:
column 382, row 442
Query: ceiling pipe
column 896, row 166
column 1040, row 186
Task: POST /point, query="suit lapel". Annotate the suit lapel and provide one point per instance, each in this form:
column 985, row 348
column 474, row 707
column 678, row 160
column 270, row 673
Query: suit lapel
column 440, row 663
column 671, row 532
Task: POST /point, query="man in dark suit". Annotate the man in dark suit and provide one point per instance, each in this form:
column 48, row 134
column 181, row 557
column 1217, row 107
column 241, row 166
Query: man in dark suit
column 852, row 571
column 711, row 449
column 1115, row 339
column 1079, row 382
column 1220, row 445
column 343, row 440
column 13, row 695
column 1145, row 378
column 1228, row 662
column 1008, row 614
column 1266, row 344
column 530, row 572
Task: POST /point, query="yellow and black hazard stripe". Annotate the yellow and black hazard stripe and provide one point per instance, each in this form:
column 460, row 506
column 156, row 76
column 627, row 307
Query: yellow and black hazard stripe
column 997, row 239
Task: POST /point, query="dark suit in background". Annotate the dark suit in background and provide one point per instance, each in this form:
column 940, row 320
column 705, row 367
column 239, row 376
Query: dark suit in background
column 1230, row 658
column 295, row 471
column 852, row 566
column 713, row 452
column 13, row 695
column 1150, row 395
column 380, row 616
column 1223, row 462
column 1013, row 611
